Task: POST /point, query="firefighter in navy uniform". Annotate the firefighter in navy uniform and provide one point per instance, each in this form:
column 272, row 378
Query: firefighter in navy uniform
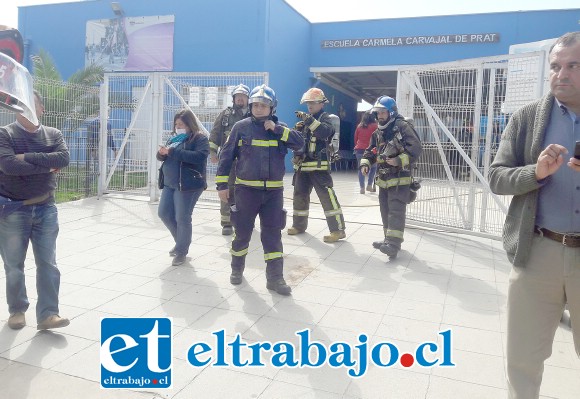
column 259, row 144
column 395, row 147
column 312, row 168
column 219, row 134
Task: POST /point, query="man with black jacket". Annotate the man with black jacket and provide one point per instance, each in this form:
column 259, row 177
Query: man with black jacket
column 220, row 132
column 394, row 147
column 259, row 144
column 312, row 168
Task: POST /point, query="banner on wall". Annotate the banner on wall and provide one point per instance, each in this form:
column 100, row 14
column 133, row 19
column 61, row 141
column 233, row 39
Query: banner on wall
column 131, row 43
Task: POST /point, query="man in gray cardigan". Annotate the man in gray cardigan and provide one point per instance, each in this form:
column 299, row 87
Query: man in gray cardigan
column 541, row 235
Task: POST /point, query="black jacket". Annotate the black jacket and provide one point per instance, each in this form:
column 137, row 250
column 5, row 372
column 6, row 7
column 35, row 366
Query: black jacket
column 260, row 154
column 184, row 168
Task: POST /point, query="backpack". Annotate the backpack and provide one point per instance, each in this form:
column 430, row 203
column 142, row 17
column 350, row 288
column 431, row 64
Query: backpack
column 415, row 182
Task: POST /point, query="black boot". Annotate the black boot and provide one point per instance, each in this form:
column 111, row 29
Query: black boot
column 378, row 244
column 238, row 263
column 236, row 276
column 390, row 250
column 279, row 286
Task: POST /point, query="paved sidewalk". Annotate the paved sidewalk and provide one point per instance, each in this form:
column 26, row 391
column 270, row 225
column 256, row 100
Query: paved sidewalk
column 114, row 262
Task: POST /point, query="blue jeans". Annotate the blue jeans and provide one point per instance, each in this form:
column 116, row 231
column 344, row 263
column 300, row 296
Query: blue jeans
column 175, row 209
column 372, row 171
column 37, row 224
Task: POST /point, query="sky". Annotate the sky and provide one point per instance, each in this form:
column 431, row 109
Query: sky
column 333, row 10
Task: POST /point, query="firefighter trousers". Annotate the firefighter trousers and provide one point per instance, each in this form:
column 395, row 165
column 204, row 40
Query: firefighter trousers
column 393, row 204
column 321, row 181
column 225, row 206
column 268, row 204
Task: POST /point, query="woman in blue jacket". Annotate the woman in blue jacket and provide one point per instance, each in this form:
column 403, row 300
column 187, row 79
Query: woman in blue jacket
column 183, row 179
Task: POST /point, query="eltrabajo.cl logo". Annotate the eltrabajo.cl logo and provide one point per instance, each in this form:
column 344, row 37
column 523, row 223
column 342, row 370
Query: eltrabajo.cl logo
column 136, row 353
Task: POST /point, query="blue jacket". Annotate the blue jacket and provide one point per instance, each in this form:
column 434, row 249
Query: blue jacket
column 184, row 168
column 260, row 154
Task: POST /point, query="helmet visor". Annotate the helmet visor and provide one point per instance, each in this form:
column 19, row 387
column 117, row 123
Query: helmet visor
column 16, row 89
column 263, row 100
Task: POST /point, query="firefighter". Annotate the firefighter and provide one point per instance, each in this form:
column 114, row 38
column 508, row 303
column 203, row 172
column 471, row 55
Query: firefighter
column 312, row 168
column 259, row 144
column 394, row 147
column 219, row 134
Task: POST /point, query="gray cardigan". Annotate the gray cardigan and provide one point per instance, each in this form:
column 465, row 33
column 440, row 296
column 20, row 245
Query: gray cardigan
column 513, row 172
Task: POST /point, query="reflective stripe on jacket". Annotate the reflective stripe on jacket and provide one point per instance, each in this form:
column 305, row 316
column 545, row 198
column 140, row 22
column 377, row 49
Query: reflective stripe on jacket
column 260, row 154
column 316, row 134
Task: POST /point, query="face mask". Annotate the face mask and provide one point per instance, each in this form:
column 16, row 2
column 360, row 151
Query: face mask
column 180, row 131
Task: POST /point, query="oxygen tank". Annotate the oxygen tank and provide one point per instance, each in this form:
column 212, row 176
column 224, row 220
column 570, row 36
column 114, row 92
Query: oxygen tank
column 335, row 142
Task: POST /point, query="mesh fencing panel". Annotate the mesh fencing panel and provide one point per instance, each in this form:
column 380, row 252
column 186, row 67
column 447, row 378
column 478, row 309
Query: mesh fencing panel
column 459, row 111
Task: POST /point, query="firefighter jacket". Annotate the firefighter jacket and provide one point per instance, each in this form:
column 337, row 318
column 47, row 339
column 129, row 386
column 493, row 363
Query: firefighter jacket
column 317, row 133
column 397, row 140
column 222, row 126
column 260, row 154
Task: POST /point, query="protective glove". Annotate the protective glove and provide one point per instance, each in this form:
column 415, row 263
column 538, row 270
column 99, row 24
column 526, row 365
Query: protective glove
column 297, row 159
column 299, row 126
column 301, row 115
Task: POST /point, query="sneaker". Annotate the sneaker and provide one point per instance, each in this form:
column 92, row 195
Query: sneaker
column 236, row 277
column 371, row 189
column 53, row 321
column 279, row 286
column 16, row 321
column 292, row 231
column 172, row 253
column 362, row 190
column 227, row 231
column 178, row 260
column 334, row 236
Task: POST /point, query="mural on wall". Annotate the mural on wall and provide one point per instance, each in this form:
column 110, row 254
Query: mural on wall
column 131, row 43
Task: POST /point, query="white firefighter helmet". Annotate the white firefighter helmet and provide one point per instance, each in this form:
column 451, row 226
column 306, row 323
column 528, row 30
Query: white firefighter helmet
column 314, row 95
column 241, row 89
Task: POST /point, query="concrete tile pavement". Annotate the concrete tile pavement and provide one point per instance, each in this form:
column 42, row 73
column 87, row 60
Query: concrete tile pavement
column 113, row 257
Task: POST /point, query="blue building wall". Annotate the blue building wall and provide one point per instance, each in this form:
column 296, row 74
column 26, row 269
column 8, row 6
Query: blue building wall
column 209, row 35
column 513, row 27
column 270, row 36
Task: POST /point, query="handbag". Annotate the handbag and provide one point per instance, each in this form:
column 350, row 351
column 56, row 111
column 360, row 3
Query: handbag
column 160, row 179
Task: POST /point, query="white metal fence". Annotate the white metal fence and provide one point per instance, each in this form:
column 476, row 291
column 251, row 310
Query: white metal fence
column 459, row 110
column 141, row 107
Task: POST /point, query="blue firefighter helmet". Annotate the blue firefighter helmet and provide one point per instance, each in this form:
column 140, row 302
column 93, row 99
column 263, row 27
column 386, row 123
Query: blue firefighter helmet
column 241, row 89
column 265, row 95
column 386, row 102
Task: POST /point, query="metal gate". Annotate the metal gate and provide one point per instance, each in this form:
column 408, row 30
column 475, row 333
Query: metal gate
column 139, row 109
column 459, row 110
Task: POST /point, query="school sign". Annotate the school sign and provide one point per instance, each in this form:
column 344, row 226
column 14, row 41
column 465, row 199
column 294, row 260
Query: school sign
column 412, row 40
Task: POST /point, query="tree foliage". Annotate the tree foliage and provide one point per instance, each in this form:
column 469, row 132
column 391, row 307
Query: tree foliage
column 67, row 103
